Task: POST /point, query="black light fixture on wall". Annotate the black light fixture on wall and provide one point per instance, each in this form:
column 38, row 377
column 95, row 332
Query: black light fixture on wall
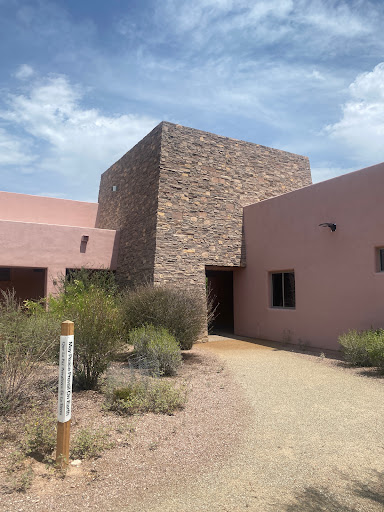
column 330, row 225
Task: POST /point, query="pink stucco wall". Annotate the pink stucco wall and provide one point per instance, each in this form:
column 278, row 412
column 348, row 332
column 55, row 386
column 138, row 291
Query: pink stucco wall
column 49, row 210
column 338, row 286
column 55, row 247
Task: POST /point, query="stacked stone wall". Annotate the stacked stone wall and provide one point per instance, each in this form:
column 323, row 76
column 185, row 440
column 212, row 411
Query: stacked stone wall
column 132, row 208
column 180, row 197
column 205, row 181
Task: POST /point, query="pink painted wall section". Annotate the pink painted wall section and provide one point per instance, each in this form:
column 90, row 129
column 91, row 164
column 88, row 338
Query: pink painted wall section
column 47, row 210
column 56, row 248
column 338, row 285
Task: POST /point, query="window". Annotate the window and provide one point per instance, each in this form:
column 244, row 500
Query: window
column 5, row 274
column 381, row 260
column 283, row 290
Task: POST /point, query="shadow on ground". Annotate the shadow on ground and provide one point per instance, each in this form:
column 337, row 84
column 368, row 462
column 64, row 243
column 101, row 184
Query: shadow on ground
column 191, row 358
column 302, row 348
column 364, row 371
column 335, row 355
column 319, row 500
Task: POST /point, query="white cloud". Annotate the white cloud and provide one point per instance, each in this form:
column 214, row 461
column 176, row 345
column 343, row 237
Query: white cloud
column 341, row 19
column 73, row 141
column 361, row 128
column 14, row 150
column 270, row 19
column 317, row 75
column 24, row 71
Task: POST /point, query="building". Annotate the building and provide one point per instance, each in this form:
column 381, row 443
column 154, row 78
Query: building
column 42, row 237
column 186, row 207
column 177, row 200
column 337, row 277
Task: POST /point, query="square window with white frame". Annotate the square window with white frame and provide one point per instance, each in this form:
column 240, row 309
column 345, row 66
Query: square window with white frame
column 283, row 289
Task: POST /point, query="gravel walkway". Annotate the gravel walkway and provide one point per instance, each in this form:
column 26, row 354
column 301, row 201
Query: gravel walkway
column 264, row 430
column 314, row 443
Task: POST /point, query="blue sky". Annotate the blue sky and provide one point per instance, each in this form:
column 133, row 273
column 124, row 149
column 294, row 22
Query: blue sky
column 83, row 81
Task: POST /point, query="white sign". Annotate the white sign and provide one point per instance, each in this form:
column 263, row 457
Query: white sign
column 65, row 378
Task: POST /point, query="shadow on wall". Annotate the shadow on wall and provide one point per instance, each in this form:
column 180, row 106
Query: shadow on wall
column 369, row 495
column 243, row 255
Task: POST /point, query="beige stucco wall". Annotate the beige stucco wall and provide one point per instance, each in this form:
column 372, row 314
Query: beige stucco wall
column 338, row 286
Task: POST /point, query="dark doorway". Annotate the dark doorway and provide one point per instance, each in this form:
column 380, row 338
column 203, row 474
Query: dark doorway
column 220, row 285
column 28, row 283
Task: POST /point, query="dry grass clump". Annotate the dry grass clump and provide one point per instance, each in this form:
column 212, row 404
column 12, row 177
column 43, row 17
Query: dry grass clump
column 90, row 443
column 146, row 394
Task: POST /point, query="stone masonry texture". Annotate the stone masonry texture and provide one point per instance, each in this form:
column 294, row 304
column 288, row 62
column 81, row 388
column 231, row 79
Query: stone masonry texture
column 180, row 198
column 132, row 208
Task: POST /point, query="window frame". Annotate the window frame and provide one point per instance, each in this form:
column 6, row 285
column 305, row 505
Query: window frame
column 380, row 259
column 7, row 273
column 282, row 272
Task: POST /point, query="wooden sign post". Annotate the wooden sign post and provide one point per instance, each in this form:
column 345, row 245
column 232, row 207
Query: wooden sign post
column 65, row 393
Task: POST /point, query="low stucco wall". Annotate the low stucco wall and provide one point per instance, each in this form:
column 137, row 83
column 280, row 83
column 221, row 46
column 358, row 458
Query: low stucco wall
column 49, row 210
column 56, row 248
column 338, row 286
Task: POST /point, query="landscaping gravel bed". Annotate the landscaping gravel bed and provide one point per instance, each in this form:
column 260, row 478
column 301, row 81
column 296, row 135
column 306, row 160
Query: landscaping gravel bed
column 152, row 454
column 265, row 429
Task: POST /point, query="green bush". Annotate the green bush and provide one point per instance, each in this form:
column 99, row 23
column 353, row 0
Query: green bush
column 182, row 312
column 28, row 335
column 355, row 348
column 364, row 348
column 90, row 443
column 376, row 348
column 40, row 436
column 157, row 348
column 104, row 279
column 97, row 319
column 146, row 395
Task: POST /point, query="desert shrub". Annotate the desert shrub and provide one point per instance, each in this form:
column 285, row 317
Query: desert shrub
column 182, row 312
column 90, row 443
column 27, row 337
column 97, row 319
column 354, row 348
column 157, row 348
column 376, row 348
column 146, row 395
column 40, row 435
column 364, row 348
column 104, row 279
column 20, row 475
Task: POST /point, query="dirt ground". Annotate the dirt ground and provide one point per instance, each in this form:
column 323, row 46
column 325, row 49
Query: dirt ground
column 152, row 452
column 264, row 429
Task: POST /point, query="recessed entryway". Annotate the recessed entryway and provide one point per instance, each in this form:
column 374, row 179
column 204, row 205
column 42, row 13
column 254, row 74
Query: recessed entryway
column 220, row 286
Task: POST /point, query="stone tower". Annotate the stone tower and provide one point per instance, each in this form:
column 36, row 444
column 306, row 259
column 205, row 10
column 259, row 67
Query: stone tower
column 177, row 198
